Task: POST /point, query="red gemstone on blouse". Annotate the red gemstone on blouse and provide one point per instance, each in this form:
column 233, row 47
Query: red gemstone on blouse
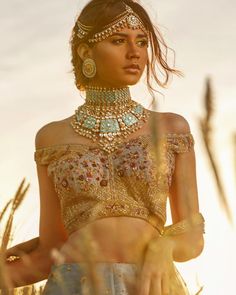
column 103, row 182
column 64, row 183
column 121, row 173
column 81, row 177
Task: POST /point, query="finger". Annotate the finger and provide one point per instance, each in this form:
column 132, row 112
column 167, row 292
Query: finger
column 144, row 284
column 155, row 288
column 165, row 285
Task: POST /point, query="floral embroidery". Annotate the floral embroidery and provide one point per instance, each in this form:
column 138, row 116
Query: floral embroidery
column 79, row 171
column 133, row 161
column 129, row 182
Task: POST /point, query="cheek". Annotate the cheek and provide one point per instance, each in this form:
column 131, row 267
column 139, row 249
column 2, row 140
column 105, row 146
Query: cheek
column 144, row 56
column 108, row 60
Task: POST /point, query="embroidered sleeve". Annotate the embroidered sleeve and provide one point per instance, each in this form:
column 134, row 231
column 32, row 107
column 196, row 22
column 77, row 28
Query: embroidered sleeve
column 180, row 143
column 45, row 156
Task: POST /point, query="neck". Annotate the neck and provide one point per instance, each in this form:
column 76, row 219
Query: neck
column 107, row 96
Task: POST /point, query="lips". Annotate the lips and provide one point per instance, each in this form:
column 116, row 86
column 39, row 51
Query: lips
column 133, row 66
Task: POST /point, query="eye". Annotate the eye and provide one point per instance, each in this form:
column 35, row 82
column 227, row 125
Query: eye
column 118, row 41
column 142, row 43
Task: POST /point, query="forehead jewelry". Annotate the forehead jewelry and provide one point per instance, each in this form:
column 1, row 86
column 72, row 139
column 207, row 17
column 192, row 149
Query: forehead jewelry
column 82, row 30
column 127, row 19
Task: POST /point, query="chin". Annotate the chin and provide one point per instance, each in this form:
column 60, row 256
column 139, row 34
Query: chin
column 122, row 81
column 131, row 81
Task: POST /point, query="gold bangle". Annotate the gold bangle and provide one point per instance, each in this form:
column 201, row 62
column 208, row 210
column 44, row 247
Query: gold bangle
column 195, row 221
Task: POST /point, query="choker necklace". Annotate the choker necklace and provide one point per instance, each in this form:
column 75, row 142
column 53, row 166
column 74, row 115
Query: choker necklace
column 108, row 116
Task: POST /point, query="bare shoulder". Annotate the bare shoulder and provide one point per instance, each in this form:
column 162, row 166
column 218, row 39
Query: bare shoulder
column 175, row 123
column 51, row 133
column 45, row 134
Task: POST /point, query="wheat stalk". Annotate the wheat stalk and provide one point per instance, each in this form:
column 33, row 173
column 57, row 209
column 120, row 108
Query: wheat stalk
column 206, row 130
column 234, row 150
column 6, row 237
column 5, row 210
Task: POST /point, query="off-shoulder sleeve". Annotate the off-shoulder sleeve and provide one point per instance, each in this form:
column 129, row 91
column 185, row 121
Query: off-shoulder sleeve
column 180, row 143
column 44, row 156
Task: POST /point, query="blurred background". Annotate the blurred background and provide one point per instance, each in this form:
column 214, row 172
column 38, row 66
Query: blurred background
column 36, row 87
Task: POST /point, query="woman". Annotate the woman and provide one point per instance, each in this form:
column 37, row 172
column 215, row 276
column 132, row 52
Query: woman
column 105, row 172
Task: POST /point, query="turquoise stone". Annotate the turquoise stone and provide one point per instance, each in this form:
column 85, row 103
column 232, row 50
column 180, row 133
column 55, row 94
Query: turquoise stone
column 109, row 97
column 138, row 109
column 109, row 125
column 129, row 119
column 89, row 122
column 79, row 117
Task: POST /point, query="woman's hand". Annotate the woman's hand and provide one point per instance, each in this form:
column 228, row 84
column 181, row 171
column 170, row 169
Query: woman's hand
column 22, row 248
column 5, row 281
column 158, row 262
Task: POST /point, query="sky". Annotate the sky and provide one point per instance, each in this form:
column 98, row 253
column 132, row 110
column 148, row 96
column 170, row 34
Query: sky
column 37, row 87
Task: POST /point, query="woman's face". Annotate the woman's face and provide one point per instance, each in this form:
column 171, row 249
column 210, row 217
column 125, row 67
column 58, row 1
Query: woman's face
column 120, row 59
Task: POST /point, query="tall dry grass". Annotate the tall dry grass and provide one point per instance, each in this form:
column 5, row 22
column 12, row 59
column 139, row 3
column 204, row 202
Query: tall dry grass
column 6, row 236
column 208, row 132
column 234, row 152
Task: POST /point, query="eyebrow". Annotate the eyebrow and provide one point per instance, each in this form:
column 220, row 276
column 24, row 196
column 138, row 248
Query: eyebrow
column 126, row 35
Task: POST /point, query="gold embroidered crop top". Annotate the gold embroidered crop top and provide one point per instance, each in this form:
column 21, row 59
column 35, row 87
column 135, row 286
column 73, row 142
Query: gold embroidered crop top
column 92, row 184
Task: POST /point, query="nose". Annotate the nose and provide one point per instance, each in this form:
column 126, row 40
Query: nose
column 133, row 51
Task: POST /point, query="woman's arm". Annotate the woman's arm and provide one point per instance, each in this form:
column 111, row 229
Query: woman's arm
column 35, row 266
column 185, row 243
column 22, row 248
column 29, row 269
column 186, row 237
column 176, row 243
column 184, row 203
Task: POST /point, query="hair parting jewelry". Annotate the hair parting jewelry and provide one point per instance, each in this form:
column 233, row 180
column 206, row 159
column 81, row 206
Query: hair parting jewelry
column 83, row 30
column 128, row 19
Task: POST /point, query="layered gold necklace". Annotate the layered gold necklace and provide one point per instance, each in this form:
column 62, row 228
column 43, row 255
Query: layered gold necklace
column 108, row 116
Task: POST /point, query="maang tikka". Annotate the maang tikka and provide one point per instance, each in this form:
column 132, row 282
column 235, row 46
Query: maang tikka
column 127, row 19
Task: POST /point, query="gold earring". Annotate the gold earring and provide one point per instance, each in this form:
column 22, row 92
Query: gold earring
column 89, row 68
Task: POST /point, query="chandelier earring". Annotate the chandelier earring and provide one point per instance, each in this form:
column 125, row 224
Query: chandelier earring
column 89, row 68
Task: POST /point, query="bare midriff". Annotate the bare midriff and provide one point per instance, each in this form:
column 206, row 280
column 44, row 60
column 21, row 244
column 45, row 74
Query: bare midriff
column 111, row 239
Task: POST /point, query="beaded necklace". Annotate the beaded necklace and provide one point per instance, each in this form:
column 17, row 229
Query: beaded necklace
column 108, row 116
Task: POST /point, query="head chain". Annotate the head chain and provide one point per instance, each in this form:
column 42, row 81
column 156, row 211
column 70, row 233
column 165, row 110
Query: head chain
column 128, row 19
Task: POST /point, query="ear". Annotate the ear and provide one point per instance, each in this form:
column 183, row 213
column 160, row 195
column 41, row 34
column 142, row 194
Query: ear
column 84, row 51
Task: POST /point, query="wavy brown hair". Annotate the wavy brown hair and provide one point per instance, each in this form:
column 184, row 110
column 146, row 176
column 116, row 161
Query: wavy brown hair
column 99, row 13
